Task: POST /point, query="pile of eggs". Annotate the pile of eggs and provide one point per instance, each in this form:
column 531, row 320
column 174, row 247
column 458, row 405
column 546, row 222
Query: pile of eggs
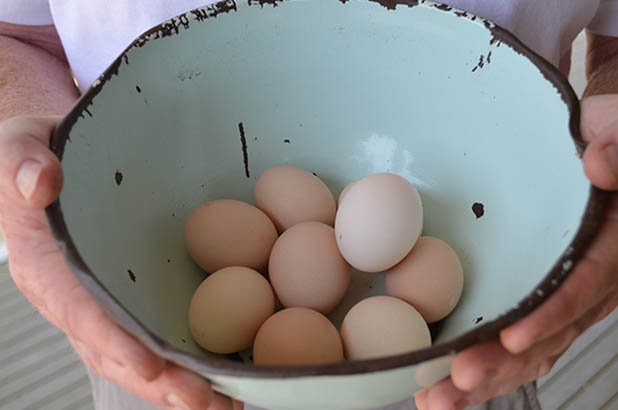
column 307, row 246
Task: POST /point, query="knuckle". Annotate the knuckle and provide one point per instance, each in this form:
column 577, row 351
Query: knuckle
column 92, row 359
column 544, row 368
column 8, row 125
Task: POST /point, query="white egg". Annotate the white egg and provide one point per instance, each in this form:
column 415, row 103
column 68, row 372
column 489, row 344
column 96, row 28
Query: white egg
column 378, row 222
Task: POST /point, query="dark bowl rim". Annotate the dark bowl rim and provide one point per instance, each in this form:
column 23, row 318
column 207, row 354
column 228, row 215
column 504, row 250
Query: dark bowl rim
column 591, row 220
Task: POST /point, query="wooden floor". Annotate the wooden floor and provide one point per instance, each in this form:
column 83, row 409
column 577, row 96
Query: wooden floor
column 586, row 376
column 38, row 368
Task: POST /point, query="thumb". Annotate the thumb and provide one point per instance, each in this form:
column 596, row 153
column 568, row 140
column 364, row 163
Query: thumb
column 601, row 159
column 30, row 174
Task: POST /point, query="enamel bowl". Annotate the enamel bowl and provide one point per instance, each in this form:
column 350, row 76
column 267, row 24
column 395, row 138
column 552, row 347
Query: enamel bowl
column 196, row 108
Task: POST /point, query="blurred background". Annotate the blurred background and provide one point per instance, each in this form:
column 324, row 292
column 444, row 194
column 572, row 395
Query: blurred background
column 39, row 370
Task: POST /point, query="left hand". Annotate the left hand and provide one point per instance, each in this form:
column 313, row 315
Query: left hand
column 529, row 348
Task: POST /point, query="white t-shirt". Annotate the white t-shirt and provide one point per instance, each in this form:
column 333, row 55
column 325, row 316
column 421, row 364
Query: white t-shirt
column 95, row 32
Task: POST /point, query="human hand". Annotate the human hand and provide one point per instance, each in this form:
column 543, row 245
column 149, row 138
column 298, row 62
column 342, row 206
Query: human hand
column 529, row 348
column 31, row 179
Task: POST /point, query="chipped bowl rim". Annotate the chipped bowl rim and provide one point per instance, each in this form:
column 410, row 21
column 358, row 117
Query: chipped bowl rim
column 591, row 221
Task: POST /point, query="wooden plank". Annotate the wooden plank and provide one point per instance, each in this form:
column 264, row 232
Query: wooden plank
column 38, row 370
column 585, row 341
column 47, row 340
column 15, row 334
column 597, row 390
column 29, row 363
column 45, row 386
column 612, row 403
column 77, row 392
column 85, row 403
column 38, row 367
column 580, row 369
column 11, row 319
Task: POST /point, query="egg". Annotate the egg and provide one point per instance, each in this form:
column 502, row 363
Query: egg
column 306, row 268
column 430, row 278
column 227, row 232
column 290, row 195
column 379, row 219
column 383, row 326
column 297, row 336
column 228, row 308
column 344, row 192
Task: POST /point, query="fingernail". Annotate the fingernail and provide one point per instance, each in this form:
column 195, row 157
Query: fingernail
column 611, row 156
column 27, row 177
column 176, row 402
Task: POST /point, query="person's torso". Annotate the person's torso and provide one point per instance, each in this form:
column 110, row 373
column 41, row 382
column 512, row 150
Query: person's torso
column 95, row 32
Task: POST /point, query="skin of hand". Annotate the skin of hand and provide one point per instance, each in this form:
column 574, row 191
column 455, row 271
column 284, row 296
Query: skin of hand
column 529, row 348
column 30, row 179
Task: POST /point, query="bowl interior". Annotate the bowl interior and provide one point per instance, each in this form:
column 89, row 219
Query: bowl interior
column 196, row 110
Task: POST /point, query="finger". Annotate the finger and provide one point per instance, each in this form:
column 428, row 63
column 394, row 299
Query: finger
column 601, row 159
column 590, row 282
column 420, row 399
column 175, row 388
column 499, row 387
column 194, row 391
column 600, row 311
column 88, row 323
column 61, row 298
column 477, row 364
column 220, row 402
column 597, row 113
column 490, row 363
column 30, row 174
column 445, row 396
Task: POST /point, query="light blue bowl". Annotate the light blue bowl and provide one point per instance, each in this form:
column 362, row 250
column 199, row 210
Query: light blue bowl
column 198, row 107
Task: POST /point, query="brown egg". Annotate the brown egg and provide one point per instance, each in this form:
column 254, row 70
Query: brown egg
column 228, row 308
column 306, row 268
column 290, row 195
column 383, row 326
column 297, row 336
column 226, row 232
column 430, row 278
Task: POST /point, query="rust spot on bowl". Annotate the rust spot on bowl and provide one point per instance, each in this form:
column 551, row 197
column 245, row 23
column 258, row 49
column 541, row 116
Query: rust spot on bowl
column 118, row 177
column 245, row 150
column 478, row 209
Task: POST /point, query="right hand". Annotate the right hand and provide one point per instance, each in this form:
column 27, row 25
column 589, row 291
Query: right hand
column 31, row 179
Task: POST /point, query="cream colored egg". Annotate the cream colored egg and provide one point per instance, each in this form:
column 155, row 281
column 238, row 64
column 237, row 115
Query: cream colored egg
column 383, row 326
column 290, row 195
column 228, row 308
column 344, row 192
column 430, row 278
column 226, row 232
column 378, row 222
column 297, row 336
column 306, row 268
